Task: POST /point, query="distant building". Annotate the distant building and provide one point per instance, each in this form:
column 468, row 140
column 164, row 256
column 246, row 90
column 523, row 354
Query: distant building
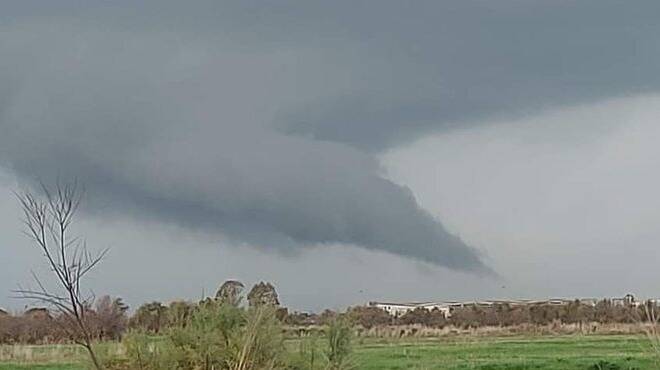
column 628, row 300
column 400, row 309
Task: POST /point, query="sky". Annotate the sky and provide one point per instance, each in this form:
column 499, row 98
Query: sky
column 346, row 151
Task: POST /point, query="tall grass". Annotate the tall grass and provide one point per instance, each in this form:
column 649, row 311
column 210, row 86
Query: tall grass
column 651, row 329
column 40, row 353
column 308, row 356
column 217, row 337
column 260, row 344
column 339, row 335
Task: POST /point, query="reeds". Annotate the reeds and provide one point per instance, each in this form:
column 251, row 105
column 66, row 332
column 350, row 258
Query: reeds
column 339, row 336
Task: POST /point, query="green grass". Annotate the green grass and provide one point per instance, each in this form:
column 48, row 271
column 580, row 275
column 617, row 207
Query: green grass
column 552, row 353
column 517, row 353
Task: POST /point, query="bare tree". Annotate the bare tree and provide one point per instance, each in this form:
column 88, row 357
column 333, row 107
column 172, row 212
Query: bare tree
column 48, row 218
column 109, row 318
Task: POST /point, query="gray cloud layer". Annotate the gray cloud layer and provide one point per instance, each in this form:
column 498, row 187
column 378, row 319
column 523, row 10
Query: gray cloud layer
column 183, row 133
column 262, row 120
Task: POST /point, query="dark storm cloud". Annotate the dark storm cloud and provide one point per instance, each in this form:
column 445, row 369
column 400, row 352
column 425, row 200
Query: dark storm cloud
column 415, row 68
column 181, row 130
column 258, row 119
column 439, row 65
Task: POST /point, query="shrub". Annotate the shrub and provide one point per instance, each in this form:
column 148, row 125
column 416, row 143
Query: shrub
column 301, row 319
column 108, row 320
column 421, row 316
column 151, row 317
column 217, row 336
column 263, row 294
column 368, row 317
column 178, row 313
column 260, row 342
column 339, row 335
column 143, row 352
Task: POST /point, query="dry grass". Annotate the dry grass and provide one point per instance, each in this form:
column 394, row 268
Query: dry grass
column 40, row 353
column 55, row 353
column 418, row 331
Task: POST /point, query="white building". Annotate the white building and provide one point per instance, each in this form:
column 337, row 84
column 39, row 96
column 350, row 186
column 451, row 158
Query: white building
column 400, row 309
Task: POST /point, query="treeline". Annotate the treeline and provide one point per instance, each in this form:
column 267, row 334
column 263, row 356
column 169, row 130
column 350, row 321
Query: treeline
column 604, row 312
column 155, row 317
column 504, row 315
column 108, row 319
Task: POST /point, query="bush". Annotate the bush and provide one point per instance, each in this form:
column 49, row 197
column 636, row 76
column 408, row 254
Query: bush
column 151, row 317
column 144, row 352
column 301, row 319
column 178, row 313
column 368, row 317
column 339, row 335
column 421, row 316
column 260, row 342
column 220, row 337
column 108, row 320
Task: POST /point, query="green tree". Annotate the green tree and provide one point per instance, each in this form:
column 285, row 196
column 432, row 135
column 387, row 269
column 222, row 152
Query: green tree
column 230, row 292
column 263, row 294
column 151, row 317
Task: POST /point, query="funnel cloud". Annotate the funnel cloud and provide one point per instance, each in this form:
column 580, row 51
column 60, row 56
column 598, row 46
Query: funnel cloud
column 183, row 135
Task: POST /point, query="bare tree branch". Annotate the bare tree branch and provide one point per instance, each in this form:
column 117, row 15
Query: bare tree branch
column 47, row 220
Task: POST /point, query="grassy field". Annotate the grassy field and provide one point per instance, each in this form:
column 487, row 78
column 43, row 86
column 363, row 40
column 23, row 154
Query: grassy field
column 509, row 354
column 552, row 353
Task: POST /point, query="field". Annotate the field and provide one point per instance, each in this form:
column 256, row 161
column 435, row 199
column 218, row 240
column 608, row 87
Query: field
column 622, row 352
column 509, row 353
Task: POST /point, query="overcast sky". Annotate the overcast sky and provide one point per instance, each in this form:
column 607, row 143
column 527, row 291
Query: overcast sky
column 346, row 151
